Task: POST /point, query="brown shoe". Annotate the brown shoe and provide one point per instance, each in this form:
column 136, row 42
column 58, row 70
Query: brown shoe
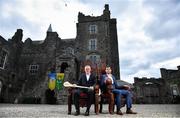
column 111, row 112
column 77, row 113
column 130, row 112
column 86, row 113
column 119, row 112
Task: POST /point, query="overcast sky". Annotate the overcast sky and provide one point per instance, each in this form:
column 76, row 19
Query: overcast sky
column 148, row 30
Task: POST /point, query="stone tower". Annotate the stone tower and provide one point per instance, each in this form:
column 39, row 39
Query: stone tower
column 96, row 41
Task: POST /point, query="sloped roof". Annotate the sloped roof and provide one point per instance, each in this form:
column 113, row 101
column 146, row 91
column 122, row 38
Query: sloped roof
column 69, row 39
column 49, row 29
column 38, row 42
column 2, row 40
column 121, row 82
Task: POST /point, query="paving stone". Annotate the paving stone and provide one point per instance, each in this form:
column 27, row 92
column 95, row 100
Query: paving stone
column 32, row 110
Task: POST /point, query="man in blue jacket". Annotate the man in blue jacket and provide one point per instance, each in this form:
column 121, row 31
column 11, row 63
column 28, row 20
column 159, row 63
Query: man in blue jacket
column 118, row 90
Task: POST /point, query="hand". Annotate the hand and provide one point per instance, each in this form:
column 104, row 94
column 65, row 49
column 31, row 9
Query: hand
column 105, row 81
column 91, row 87
column 126, row 87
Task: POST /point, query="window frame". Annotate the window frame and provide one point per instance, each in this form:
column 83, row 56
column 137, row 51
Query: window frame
column 93, row 29
column 92, row 44
column 5, row 58
column 33, row 69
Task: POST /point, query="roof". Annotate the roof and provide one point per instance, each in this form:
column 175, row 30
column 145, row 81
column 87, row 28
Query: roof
column 2, row 40
column 49, row 29
column 38, row 42
column 121, row 82
column 70, row 39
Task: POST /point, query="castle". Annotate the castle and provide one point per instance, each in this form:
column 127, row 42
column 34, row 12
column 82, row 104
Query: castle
column 24, row 65
column 162, row 90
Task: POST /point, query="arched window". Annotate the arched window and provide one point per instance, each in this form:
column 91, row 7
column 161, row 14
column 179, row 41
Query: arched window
column 174, row 89
column 94, row 58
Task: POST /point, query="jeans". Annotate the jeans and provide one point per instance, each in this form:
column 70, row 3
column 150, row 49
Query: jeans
column 125, row 93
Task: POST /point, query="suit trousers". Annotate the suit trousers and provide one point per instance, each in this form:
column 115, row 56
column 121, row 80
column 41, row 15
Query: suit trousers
column 90, row 97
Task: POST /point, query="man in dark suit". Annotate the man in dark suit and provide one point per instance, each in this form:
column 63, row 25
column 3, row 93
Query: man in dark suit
column 118, row 90
column 86, row 79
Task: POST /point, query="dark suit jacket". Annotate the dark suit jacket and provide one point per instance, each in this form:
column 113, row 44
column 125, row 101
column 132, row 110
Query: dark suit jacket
column 83, row 80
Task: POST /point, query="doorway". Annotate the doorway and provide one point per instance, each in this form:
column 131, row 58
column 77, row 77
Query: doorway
column 64, row 65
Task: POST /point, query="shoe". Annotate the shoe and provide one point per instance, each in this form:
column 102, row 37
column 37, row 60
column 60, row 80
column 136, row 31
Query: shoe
column 111, row 112
column 130, row 112
column 100, row 111
column 77, row 113
column 86, row 113
column 119, row 112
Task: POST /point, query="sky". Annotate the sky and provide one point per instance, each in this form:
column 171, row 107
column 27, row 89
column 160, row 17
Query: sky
column 148, row 30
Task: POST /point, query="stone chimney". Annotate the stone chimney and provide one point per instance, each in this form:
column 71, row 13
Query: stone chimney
column 163, row 73
column 106, row 12
column 17, row 38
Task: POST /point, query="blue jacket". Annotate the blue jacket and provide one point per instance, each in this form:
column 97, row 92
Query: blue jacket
column 103, row 85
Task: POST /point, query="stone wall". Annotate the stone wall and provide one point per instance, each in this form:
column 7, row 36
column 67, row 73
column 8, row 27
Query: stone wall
column 158, row 90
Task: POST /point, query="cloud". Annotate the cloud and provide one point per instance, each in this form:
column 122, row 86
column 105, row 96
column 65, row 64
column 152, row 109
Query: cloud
column 171, row 63
column 165, row 24
column 39, row 14
column 148, row 31
column 146, row 38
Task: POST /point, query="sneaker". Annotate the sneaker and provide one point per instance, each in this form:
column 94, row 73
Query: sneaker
column 130, row 112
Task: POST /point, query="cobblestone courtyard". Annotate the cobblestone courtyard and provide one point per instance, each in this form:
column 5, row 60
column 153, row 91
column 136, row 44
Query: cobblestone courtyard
column 29, row 110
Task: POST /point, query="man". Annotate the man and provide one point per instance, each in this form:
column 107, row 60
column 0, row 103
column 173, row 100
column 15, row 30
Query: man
column 118, row 91
column 88, row 80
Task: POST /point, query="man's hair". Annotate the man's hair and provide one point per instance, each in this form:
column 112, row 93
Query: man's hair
column 87, row 66
column 108, row 66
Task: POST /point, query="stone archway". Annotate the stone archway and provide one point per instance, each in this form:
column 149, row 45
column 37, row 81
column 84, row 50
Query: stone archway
column 64, row 65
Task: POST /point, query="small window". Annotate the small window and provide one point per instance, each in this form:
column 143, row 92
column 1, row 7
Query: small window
column 70, row 50
column 93, row 29
column 175, row 90
column 3, row 58
column 94, row 58
column 33, row 69
column 92, row 44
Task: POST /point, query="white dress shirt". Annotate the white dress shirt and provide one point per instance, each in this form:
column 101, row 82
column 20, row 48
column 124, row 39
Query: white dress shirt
column 110, row 76
column 87, row 76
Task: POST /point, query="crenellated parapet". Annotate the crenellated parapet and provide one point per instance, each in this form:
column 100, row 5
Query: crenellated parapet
column 144, row 80
column 17, row 38
column 105, row 16
column 170, row 73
